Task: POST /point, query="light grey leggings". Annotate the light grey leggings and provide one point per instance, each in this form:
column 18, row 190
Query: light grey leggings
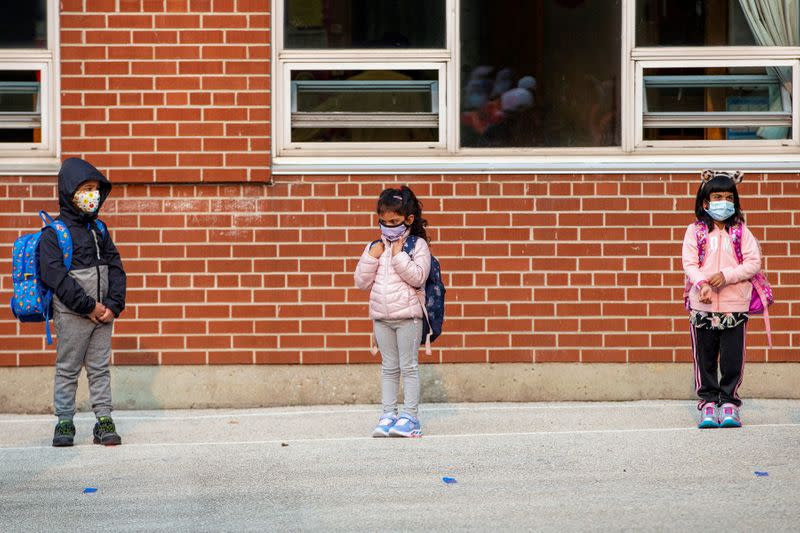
column 399, row 342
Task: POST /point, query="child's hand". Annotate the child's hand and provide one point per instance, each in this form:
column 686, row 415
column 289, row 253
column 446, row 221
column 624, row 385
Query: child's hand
column 717, row 280
column 397, row 246
column 377, row 250
column 107, row 317
column 705, row 294
column 99, row 311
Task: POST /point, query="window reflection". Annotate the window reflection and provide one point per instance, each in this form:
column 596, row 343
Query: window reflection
column 528, row 80
column 337, row 24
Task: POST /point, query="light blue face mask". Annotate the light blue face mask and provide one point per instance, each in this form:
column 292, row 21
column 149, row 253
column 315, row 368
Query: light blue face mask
column 721, row 210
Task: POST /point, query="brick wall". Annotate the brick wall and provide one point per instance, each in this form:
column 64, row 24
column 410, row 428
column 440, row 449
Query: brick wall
column 167, row 90
column 538, row 268
column 171, row 99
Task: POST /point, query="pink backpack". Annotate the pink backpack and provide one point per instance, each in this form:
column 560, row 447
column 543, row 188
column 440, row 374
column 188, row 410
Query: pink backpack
column 762, row 294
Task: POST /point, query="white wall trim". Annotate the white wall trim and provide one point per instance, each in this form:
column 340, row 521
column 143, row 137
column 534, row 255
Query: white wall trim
column 650, row 164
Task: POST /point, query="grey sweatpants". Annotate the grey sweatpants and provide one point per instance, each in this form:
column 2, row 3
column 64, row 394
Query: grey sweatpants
column 398, row 341
column 81, row 342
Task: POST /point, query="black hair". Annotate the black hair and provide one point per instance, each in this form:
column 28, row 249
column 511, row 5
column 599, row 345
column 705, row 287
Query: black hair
column 721, row 182
column 404, row 202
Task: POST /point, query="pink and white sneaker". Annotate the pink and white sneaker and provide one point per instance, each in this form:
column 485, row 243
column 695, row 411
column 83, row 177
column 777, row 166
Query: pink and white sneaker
column 709, row 417
column 729, row 416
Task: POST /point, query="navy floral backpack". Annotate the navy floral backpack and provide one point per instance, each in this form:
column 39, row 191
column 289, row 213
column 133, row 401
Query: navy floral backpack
column 433, row 301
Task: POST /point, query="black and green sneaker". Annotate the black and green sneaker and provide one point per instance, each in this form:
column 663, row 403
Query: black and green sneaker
column 105, row 432
column 64, row 434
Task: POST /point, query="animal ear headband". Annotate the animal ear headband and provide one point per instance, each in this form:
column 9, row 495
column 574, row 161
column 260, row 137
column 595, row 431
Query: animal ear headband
column 708, row 175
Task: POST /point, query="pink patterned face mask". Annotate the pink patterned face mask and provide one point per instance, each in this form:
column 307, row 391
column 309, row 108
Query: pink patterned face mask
column 392, row 233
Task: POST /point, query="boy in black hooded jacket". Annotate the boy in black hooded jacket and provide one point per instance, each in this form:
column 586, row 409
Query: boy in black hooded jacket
column 86, row 300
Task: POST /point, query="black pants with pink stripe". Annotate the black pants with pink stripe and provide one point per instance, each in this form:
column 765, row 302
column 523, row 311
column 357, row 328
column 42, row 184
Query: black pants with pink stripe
column 726, row 346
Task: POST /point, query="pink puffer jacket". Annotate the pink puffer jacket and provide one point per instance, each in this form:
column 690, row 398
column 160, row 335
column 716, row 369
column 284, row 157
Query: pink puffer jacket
column 734, row 296
column 393, row 281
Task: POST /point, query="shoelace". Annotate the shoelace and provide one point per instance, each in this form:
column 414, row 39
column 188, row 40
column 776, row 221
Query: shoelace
column 106, row 426
column 65, row 429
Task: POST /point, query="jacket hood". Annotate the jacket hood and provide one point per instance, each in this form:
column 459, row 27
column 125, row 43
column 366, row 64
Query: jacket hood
column 74, row 172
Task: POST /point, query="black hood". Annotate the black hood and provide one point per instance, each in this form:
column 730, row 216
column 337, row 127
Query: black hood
column 74, row 172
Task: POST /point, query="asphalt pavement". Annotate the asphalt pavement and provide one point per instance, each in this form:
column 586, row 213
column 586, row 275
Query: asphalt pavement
column 515, row 467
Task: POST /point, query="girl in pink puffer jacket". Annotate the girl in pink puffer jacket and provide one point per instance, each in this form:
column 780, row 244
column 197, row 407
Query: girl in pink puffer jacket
column 719, row 297
column 394, row 279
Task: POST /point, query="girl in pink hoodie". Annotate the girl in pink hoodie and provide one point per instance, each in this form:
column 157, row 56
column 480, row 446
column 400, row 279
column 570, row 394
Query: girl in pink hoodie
column 395, row 279
column 718, row 296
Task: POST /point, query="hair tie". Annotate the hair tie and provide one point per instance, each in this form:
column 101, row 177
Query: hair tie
column 398, row 197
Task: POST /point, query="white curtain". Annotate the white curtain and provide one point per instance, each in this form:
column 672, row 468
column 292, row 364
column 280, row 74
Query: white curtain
column 774, row 23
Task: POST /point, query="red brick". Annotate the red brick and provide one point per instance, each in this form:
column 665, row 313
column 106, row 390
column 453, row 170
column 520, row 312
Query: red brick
column 230, row 357
column 224, row 21
column 183, row 358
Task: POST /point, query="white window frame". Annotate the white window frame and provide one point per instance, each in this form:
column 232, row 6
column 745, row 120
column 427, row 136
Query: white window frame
column 42, row 157
column 632, row 155
column 284, row 111
column 733, row 145
column 284, row 61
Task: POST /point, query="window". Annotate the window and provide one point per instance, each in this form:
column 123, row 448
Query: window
column 369, row 106
column 362, row 75
column 28, row 93
column 716, row 73
column 559, row 82
column 720, row 103
column 527, row 81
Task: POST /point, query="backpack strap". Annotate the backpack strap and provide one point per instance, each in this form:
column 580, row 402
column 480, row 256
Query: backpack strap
column 62, row 234
column 763, row 298
column 421, row 299
column 65, row 243
column 701, row 235
column 736, row 236
column 373, row 348
column 408, row 247
column 102, row 227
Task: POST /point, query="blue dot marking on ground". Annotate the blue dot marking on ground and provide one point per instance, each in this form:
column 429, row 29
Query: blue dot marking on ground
column 89, row 490
column 762, row 474
column 449, row 480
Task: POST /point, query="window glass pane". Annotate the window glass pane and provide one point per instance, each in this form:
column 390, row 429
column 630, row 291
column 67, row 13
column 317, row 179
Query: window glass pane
column 20, row 114
column 365, row 106
column 23, row 24
column 540, row 73
column 364, row 24
column 717, row 103
column 325, row 135
column 716, row 23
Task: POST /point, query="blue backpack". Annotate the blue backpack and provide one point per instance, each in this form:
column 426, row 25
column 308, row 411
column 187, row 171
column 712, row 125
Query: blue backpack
column 32, row 300
column 433, row 305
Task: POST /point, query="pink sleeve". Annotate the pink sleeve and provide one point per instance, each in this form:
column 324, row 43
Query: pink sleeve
column 751, row 254
column 691, row 260
column 414, row 271
column 366, row 270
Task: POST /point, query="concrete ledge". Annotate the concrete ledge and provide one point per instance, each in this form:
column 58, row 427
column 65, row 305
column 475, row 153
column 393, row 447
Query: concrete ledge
column 30, row 390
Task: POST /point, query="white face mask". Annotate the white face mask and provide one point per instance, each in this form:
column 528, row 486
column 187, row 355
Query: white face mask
column 88, row 201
